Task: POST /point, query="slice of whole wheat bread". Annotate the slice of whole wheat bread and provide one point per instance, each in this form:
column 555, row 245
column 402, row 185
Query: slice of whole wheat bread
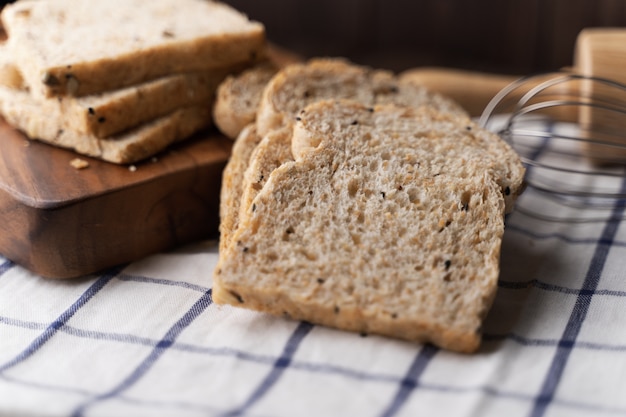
column 239, row 95
column 269, row 153
column 81, row 47
column 389, row 221
column 26, row 114
column 232, row 177
column 107, row 114
column 238, row 98
column 298, row 85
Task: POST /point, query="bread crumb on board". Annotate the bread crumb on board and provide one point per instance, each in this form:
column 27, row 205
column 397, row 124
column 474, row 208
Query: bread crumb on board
column 132, row 168
column 79, row 163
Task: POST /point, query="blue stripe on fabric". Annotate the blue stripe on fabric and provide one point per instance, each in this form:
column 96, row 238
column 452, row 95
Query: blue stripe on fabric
column 266, row 359
column 354, row 374
column 86, row 334
column 282, row 363
column 44, row 386
column 528, row 341
column 203, row 350
column 52, row 329
column 199, row 306
column 579, row 312
column 494, row 392
column 411, row 379
column 177, row 405
column 111, row 337
column 5, row 266
column 31, row 325
column 519, row 285
column 182, row 284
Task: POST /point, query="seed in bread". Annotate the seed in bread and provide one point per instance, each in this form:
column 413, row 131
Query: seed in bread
column 389, row 221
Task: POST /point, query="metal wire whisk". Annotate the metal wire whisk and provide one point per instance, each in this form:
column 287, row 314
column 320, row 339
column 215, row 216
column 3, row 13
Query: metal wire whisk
column 570, row 132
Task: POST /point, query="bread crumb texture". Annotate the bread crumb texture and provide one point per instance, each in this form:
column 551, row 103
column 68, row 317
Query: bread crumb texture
column 388, row 221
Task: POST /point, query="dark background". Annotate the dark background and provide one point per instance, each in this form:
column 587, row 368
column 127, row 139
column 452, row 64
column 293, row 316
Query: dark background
column 506, row 36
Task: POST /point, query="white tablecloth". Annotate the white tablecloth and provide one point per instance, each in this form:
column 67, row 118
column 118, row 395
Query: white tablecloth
column 146, row 340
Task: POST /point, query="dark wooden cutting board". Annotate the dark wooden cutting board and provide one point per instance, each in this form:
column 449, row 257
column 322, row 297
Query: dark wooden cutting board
column 61, row 222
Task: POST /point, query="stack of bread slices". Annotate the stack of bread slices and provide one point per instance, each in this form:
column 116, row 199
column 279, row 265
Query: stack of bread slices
column 119, row 80
column 358, row 200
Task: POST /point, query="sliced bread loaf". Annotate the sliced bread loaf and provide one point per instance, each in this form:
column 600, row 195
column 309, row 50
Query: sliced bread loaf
column 297, row 85
column 81, row 47
column 389, row 221
column 26, row 114
column 106, row 114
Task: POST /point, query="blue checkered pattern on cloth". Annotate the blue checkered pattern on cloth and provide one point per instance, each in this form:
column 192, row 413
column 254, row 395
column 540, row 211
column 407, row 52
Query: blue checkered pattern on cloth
column 146, row 340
